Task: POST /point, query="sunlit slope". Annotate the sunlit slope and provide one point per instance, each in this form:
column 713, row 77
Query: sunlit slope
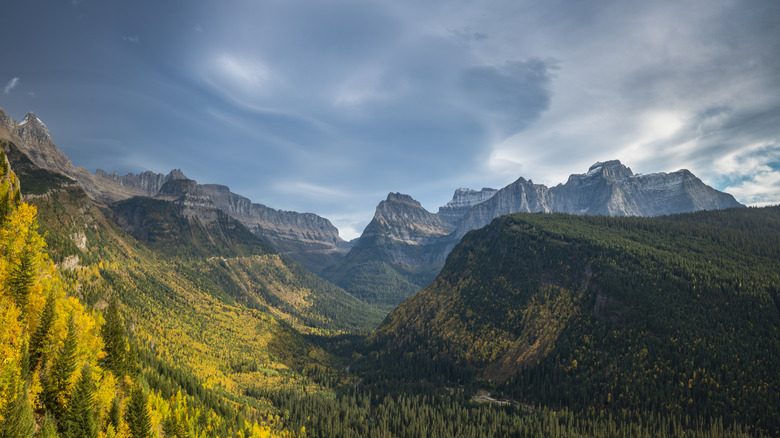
column 226, row 260
column 172, row 306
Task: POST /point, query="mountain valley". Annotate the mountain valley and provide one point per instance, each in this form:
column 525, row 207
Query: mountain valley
column 606, row 306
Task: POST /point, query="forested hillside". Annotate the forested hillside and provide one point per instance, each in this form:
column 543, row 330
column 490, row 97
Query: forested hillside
column 73, row 370
column 673, row 315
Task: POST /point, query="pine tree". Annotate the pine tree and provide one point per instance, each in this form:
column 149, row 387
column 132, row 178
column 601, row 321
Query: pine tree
column 22, row 277
column 55, row 386
column 137, row 413
column 48, row 427
column 113, row 333
column 131, row 361
column 79, row 419
column 9, row 188
column 114, row 414
column 40, row 337
column 25, row 363
column 18, row 416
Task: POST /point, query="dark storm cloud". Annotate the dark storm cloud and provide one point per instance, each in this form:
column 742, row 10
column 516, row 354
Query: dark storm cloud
column 512, row 95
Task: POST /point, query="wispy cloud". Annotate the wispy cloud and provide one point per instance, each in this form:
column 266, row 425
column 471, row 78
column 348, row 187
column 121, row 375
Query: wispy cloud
column 11, row 85
column 755, row 173
column 132, row 39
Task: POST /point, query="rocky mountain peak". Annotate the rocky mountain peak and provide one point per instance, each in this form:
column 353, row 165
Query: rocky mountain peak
column 462, row 201
column 402, row 218
column 7, row 122
column 146, row 183
column 178, row 188
column 402, row 198
column 175, row 174
column 32, row 125
column 401, row 207
column 39, row 146
column 612, row 169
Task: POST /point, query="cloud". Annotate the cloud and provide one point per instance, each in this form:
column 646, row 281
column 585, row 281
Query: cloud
column 467, row 34
column 754, row 172
column 315, row 191
column 11, row 85
column 511, row 95
column 367, row 97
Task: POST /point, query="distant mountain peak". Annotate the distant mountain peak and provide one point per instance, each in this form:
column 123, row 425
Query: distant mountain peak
column 401, row 197
column 175, row 174
column 34, row 127
column 609, row 169
column 462, row 201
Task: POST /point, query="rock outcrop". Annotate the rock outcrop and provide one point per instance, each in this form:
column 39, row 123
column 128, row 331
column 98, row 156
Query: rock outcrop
column 462, row 201
column 147, row 182
column 394, row 254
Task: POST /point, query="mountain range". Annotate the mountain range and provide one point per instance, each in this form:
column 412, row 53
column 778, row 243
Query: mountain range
column 404, row 246
column 307, row 238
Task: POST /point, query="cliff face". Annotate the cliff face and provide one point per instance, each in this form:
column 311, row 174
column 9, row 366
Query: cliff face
column 608, row 188
column 147, row 182
column 404, row 220
column 307, row 238
column 462, row 201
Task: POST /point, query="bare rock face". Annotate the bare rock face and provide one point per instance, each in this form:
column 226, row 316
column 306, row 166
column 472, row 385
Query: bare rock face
column 608, row 188
column 394, row 255
column 402, row 230
column 32, row 137
column 7, row 124
column 462, row 201
column 521, row 195
column 403, row 219
column 309, row 239
column 147, row 182
column 41, row 148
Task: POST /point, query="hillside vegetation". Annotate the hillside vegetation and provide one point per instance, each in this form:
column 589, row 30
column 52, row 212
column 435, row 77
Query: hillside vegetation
column 200, row 329
column 675, row 315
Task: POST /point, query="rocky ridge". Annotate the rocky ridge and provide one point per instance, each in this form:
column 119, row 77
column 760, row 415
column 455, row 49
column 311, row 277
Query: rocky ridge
column 608, row 188
column 305, row 237
column 148, row 182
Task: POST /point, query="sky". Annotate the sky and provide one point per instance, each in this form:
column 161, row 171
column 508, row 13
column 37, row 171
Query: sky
column 326, row 106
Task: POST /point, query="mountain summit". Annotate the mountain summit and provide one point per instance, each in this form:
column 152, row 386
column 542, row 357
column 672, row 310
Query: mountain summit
column 608, row 188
